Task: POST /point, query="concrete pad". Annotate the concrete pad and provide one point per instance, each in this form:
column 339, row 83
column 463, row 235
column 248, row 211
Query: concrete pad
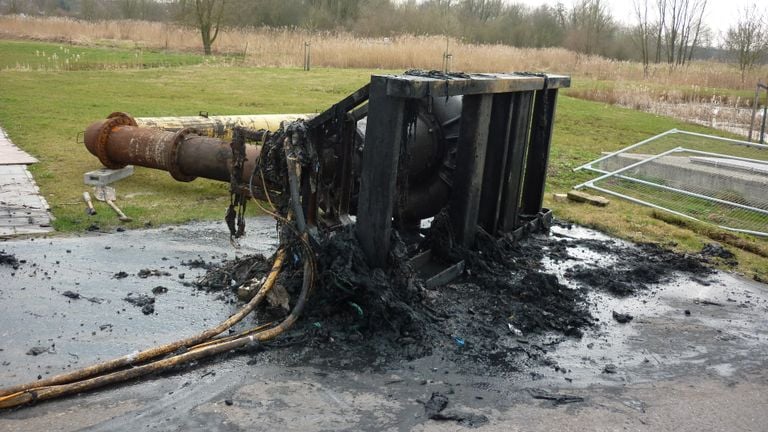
column 105, row 176
column 583, row 197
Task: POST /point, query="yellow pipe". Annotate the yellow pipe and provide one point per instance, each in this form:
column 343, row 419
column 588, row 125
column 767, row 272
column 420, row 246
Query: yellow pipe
column 133, row 359
column 220, row 126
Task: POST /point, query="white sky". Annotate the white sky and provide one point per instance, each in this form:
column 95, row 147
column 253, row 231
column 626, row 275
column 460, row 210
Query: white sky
column 719, row 16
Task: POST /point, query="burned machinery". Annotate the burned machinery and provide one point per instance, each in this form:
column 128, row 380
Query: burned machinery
column 469, row 149
column 393, row 153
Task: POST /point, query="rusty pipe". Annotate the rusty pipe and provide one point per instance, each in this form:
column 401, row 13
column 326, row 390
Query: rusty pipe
column 118, row 141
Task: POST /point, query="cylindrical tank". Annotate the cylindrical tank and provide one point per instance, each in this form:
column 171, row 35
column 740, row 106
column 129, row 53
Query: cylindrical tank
column 431, row 157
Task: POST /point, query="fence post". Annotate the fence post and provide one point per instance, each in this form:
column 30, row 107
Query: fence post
column 307, row 55
column 765, row 113
column 754, row 110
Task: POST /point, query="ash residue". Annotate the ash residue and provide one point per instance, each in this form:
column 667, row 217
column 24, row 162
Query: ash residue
column 636, row 269
column 488, row 320
column 145, row 302
column 544, row 304
column 230, row 274
column 35, row 351
column 71, row 294
column 198, row 263
column 434, row 409
column 9, row 259
column 145, row 273
column 619, row 282
column 716, row 250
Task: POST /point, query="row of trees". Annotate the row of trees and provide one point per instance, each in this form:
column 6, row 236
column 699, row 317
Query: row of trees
column 663, row 31
column 669, row 30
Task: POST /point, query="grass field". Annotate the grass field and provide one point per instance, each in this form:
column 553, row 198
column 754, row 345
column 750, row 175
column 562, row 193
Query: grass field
column 40, row 56
column 690, row 93
column 44, row 111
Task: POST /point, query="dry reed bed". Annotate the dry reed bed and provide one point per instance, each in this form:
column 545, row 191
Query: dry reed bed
column 284, row 48
column 640, row 96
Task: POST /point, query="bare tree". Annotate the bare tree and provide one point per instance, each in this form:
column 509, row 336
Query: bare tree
column 681, row 28
column 661, row 9
column 206, row 15
column 672, row 28
column 747, row 40
column 690, row 30
column 642, row 32
column 698, row 25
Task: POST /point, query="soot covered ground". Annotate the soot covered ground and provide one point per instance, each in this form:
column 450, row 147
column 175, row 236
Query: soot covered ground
column 491, row 319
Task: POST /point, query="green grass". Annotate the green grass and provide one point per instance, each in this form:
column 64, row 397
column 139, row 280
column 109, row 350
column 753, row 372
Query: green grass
column 39, row 56
column 43, row 112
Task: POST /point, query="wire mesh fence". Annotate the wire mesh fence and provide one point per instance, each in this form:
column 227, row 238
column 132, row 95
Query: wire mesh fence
column 702, row 177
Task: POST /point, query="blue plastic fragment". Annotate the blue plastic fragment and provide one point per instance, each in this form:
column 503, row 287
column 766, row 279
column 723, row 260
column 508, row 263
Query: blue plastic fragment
column 459, row 341
column 357, row 309
column 317, row 324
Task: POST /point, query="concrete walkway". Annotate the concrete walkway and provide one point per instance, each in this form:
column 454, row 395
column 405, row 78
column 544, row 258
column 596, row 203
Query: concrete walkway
column 22, row 209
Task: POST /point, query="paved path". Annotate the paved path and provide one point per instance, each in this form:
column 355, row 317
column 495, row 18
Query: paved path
column 22, row 209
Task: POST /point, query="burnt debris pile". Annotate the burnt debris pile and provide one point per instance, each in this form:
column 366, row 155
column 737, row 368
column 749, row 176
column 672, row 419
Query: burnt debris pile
column 505, row 299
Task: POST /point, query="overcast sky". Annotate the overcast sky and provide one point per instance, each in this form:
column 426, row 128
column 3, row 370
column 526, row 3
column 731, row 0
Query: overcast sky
column 719, row 16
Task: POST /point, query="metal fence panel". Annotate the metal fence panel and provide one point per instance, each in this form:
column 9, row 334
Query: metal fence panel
column 702, row 177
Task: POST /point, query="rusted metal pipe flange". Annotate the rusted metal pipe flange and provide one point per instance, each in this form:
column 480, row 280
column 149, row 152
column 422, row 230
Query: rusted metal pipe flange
column 173, row 168
column 113, row 120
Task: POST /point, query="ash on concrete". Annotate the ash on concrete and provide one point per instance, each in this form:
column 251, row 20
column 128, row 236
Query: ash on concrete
column 703, row 371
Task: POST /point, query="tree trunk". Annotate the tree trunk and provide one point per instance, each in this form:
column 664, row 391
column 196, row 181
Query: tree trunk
column 205, row 33
column 208, row 14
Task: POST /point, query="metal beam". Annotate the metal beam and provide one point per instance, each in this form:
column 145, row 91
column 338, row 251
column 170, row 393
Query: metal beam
column 417, row 86
column 515, row 166
column 538, row 151
column 377, row 180
column 495, row 162
column 470, row 163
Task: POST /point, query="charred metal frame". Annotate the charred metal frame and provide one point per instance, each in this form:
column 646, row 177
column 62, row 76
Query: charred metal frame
column 334, row 130
column 501, row 162
column 476, row 144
